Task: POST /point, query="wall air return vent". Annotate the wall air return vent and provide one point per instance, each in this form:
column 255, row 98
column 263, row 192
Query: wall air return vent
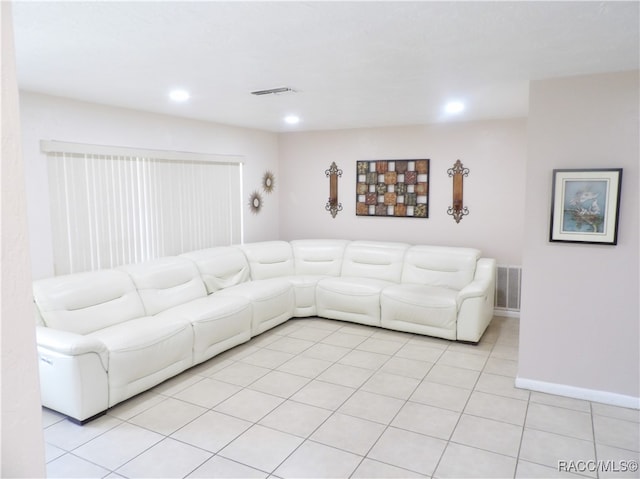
column 273, row 91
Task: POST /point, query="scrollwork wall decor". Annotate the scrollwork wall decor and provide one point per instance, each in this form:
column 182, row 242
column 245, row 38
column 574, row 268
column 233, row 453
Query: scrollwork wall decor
column 333, row 173
column 458, row 210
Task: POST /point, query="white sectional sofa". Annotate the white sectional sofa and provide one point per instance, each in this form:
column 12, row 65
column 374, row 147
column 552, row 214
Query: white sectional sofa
column 108, row 335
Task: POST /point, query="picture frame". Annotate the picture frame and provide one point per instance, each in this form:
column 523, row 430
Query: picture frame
column 585, row 205
column 393, row 188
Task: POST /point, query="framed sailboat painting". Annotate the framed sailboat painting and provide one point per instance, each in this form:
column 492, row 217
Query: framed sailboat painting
column 585, row 206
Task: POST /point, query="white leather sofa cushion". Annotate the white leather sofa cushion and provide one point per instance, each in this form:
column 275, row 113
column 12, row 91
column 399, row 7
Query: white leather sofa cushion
column 219, row 323
column 220, row 267
column 145, row 351
column 440, row 266
column 269, row 259
column 272, row 301
column 374, row 259
column 350, row 299
column 313, row 261
column 420, row 309
column 166, row 282
column 85, row 302
column 318, row 257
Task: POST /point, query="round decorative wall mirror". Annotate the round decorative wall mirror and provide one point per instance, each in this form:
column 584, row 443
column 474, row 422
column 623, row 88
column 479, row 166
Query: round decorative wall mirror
column 268, row 181
column 255, row 202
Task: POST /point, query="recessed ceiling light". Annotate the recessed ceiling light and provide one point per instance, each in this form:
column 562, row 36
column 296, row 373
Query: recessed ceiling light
column 454, row 107
column 179, row 95
column 292, row 119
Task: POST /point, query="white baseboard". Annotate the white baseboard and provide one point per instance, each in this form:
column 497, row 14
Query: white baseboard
column 579, row 393
column 506, row 313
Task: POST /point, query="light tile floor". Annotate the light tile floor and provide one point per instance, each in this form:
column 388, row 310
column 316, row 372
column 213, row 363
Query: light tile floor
column 328, row 399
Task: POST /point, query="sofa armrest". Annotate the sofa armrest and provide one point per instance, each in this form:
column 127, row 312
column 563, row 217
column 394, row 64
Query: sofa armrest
column 70, row 344
column 476, row 302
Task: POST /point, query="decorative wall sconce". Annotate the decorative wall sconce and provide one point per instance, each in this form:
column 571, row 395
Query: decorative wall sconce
column 458, row 210
column 332, row 205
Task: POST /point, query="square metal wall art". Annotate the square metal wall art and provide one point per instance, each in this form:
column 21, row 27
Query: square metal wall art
column 397, row 188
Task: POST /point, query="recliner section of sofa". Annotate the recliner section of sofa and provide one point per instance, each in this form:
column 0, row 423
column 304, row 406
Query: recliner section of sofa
column 108, row 335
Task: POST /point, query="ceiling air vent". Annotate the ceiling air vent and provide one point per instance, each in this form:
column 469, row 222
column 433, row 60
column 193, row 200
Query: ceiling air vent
column 273, row 91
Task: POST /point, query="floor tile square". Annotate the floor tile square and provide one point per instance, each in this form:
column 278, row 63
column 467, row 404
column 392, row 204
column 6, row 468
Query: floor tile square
column 240, row 374
column 453, row 376
column 50, row 417
column 501, row 386
column 428, row 420
column 168, row 416
column 382, row 346
column 547, row 449
column 69, row 466
column 359, row 329
column 495, row 407
column 348, row 433
column 420, row 352
column 221, row 468
column 623, row 413
column 617, row 432
column 344, row 340
column 207, row 393
column 249, row 405
column 305, row 366
column 267, row 358
column 373, row 407
column 503, row 367
column 118, row 445
column 393, row 385
column 289, row 344
column 460, row 461
column 441, row 395
column 408, row 450
column 529, row 470
column 623, row 460
column 313, row 460
column 487, row 434
column 370, row 469
column 326, row 352
column 67, row 435
column 560, row 421
column 457, row 359
column 310, row 333
column 261, row 448
column 345, row 375
column 52, row 452
column 135, row 405
column 212, row 366
column 323, row 394
column 560, row 401
column 212, row 431
column 279, row 383
column 177, row 383
column 364, row 359
column 167, row 459
column 411, row 368
column 296, row 418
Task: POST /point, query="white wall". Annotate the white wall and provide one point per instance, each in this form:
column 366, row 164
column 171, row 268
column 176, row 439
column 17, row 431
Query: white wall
column 494, row 151
column 22, row 442
column 580, row 314
column 51, row 118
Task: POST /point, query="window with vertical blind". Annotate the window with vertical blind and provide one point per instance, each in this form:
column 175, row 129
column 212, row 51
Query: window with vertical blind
column 112, row 206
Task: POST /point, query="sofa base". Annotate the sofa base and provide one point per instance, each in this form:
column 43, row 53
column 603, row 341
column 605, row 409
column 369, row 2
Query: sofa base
column 85, row 421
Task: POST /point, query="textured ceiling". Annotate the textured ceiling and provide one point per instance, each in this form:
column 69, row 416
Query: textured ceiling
column 353, row 64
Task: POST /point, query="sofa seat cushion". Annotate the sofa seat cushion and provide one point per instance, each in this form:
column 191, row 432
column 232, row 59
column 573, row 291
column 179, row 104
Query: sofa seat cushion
column 219, row 323
column 144, row 352
column 272, row 300
column 350, row 299
column 432, row 307
column 304, row 289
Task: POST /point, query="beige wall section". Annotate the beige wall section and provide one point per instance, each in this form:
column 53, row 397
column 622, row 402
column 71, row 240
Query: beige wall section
column 50, row 118
column 580, row 314
column 22, row 441
column 494, row 151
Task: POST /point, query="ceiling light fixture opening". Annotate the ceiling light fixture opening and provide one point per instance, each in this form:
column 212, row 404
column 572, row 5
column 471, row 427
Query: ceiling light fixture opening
column 454, row 107
column 179, row 95
column 292, row 119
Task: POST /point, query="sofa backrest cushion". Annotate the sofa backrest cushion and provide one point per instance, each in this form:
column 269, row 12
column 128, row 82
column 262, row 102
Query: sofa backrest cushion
column 85, row 302
column 166, row 282
column 269, row 259
column 220, row 267
column 318, row 257
column 451, row 267
column 374, row 259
